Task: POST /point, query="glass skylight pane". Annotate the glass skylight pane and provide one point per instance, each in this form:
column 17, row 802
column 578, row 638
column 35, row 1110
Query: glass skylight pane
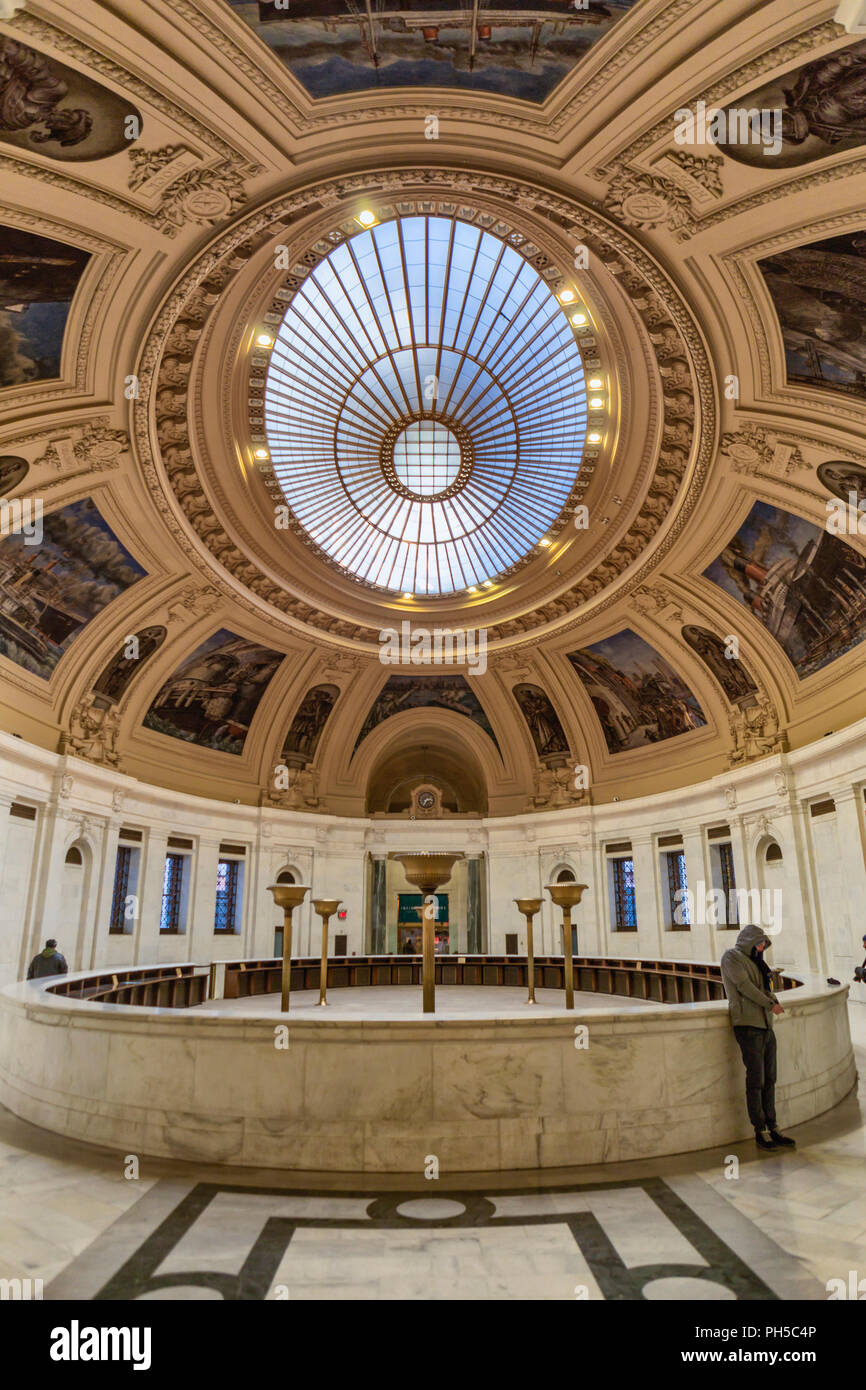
column 425, row 405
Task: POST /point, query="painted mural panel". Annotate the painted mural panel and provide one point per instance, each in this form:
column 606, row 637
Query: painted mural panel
column 519, row 48
column 845, row 480
column 425, row 692
column 116, row 677
column 306, row 728
column 542, row 721
column 13, row 471
column 807, row 587
column 212, row 696
column 637, row 695
column 823, row 105
column 38, row 277
column 728, row 671
column 50, row 108
column 50, row 590
column 819, row 294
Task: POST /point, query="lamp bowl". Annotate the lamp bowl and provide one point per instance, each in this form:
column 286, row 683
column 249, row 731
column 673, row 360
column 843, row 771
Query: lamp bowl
column 566, row 894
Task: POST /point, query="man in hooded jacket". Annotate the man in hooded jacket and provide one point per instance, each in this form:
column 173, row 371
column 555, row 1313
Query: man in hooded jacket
column 47, row 962
column 752, row 1004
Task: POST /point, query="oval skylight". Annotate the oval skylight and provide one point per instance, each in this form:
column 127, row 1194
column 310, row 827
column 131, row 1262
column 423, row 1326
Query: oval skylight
column 425, row 405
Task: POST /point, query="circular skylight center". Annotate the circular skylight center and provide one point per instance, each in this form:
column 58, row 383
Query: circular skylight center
column 425, row 405
column 426, row 457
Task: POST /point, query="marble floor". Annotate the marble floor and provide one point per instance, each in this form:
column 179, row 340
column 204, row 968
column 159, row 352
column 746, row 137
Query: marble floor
column 712, row 1225
column 404, row 1001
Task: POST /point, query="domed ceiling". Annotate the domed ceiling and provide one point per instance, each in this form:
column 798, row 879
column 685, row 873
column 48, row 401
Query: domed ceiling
column 463, row 397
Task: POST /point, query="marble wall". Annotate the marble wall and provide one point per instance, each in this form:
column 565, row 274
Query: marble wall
column 821, row 877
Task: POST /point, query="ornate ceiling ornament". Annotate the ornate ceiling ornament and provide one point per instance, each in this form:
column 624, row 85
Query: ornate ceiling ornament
column 671, row 334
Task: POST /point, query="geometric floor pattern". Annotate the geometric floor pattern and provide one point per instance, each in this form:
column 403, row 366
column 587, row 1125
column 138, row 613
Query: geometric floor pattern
column 238, row 1242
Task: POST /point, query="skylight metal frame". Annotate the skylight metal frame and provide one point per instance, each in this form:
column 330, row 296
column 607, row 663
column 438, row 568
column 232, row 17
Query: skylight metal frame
column 412, row 301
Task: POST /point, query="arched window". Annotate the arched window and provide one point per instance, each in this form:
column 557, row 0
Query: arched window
column 774, row 854
column 73, row 855
column 565, row 876
column 285, row 876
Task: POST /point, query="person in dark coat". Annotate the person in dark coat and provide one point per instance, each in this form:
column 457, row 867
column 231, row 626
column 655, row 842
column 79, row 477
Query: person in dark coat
column 48, row 962
column 860, row 970
column 752, row 1004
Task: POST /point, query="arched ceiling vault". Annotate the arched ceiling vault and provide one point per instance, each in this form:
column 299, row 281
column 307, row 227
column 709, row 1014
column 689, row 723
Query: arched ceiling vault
column 172, row 184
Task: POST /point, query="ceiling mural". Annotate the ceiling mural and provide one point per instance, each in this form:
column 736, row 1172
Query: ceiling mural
column 637, row 695
column 543, row 302
column 426, row 692
column 115, row 679
column 542, row 721
column 50, row 108
column 807, row 587
column 306, row 728
column 822, row 105
column 38, row 277
column 13, row 471
column 819, row 293
column 729, row 671
column 53, row 584
column 845, row 480
column 521, row 48
column 212, row 696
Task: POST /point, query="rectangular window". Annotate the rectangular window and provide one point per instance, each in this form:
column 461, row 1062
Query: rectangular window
column 227, row 895
column 172, row 889
column 679, row 916
column 123, row 867
column 624, row 901
column 728, row 884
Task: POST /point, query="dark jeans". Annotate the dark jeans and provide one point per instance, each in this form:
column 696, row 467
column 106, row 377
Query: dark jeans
column 758, row 1047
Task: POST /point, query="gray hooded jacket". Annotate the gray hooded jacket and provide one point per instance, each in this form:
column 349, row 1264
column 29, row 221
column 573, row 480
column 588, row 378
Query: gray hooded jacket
column 749, row 1003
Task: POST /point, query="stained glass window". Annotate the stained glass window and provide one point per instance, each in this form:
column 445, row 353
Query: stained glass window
column 729, row 885
column 228, row 874
column 117, row 921
column 625, row 903
column 425, row 405
column 172, row 887
column 680, row 915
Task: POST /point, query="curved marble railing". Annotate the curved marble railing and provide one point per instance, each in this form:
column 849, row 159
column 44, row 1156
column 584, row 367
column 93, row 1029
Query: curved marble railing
column 176, row 986
column 377, row 1094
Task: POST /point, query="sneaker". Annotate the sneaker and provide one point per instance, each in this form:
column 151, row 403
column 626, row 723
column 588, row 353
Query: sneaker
column 781, row 1140
column 764, row 1140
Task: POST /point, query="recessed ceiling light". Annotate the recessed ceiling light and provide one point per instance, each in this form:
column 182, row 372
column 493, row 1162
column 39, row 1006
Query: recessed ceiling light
column 596, row 403
column 594, row 438
column 545, row 540
column 488, row 583
column 566, row 296
column 366, row 218
column 472, row 590
column 578, row 319
column 264, row 340
column 262, row 454
column 408, row 596
column 595, row 383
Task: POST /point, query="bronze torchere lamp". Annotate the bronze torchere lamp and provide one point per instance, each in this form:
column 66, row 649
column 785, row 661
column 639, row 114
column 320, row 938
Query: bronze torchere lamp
column 529, row 907
column 325, row 907
column 428, row 872
column 288, row 896
column 567, row 896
